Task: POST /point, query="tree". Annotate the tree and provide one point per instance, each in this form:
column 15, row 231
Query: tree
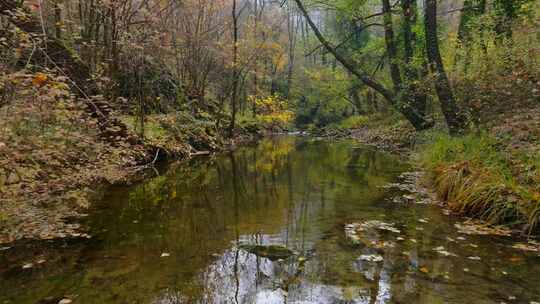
column 454, row 118
column 396, row 98
column 235, row 73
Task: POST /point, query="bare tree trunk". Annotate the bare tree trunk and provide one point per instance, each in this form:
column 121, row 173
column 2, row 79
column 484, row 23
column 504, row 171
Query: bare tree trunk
column 57, row 20
column 235, row 74
column 291, row 29
column 453, row 117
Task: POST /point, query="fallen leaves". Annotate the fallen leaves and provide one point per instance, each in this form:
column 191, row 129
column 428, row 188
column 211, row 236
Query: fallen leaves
column 28, row 266
column 532, row 246
column 478, row 228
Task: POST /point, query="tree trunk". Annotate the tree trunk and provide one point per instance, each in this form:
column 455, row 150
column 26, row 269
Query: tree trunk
column 453, row 117
column 472, row 9
column 235, row 73
column 412, row 75
column 391, row 49
column 506, row 12
column 57, row 20
column 406, row 101
column 291, row 31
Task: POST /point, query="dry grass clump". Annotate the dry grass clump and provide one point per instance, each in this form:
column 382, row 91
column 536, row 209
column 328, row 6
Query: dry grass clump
column 474, row 175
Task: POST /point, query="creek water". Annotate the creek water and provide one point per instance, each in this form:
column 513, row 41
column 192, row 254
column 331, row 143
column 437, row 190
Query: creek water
column 180, row 238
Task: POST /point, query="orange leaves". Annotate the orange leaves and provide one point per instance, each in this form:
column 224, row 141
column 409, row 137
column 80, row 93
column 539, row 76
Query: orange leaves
column 40, row 79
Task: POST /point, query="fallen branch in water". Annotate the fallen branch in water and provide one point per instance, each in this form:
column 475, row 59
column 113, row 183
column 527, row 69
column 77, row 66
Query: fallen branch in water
column 151, row 164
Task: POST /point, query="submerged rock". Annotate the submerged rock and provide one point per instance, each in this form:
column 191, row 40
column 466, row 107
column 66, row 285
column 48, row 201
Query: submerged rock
column 271, row 252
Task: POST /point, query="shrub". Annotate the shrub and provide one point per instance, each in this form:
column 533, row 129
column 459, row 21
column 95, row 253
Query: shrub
column 354, row 122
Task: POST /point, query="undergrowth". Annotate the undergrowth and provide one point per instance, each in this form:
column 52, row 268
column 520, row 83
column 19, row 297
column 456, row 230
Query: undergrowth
column 477, row 177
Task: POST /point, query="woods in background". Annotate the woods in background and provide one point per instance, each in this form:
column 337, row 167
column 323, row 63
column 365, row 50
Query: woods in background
column 159, row 57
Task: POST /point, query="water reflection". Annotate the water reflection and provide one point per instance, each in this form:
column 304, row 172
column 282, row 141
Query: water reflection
column 177, row 238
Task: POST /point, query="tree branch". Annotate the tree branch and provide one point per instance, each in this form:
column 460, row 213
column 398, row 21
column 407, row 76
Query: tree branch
column 348, row 64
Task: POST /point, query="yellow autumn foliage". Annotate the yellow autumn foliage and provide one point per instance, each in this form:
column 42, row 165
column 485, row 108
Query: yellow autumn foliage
column 272, row 109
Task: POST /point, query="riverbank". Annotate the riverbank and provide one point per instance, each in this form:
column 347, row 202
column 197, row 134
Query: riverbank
column 491, row 175
column 49, row 178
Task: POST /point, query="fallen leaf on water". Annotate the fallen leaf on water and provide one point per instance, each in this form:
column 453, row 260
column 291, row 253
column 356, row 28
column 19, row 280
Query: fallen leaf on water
column 526, row 247
column 442, row 251
column 474, row 258
column 424, row 269
column 478, row 228
column 514, row 259
column 165, row 254
column 27, row 266
column 371, row 258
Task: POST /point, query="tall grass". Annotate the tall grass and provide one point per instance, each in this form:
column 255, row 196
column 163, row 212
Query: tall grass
column 474, row 175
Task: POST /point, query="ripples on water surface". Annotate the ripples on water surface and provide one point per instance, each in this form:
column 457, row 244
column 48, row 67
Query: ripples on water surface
column 177, row 238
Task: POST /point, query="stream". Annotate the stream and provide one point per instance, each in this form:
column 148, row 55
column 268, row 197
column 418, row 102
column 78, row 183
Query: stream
column 188, row 235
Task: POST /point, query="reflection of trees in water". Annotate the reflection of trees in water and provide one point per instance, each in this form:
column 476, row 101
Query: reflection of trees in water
column 273, row 194
column 303, row 185
column 299, row 194
column 282, row 192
